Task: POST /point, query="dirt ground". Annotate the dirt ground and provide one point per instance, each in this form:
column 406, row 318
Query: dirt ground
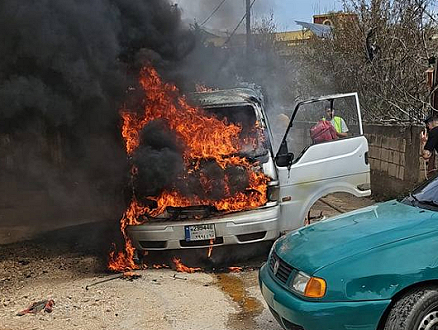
column 157, row 300
column 60, row 264
column 45, row 268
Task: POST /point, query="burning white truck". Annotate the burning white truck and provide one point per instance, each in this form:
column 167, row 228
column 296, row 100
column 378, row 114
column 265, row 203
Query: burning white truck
column 231, row 187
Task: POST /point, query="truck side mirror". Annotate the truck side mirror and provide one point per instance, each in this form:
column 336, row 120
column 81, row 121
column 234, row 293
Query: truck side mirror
column 283, row 148
column 284, row 159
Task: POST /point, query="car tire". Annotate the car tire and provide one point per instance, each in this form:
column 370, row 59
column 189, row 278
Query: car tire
column 416, row 310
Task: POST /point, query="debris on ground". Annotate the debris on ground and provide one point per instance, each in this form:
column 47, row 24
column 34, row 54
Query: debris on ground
column 176, row 277
column 130, row 276
column 46, row 305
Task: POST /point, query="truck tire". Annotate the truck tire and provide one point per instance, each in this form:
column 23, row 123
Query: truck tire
column 416, row 310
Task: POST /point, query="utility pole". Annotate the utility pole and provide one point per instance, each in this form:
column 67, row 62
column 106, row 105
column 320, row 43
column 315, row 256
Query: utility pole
column 432, row 81
column 248, row 27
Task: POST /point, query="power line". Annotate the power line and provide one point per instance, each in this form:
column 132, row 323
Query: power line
column 234, row 31
column 214, row 11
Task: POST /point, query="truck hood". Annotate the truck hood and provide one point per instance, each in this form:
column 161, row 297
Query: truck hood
column 316, row 246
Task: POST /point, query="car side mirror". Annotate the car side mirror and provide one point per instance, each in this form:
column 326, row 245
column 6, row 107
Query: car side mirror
column 284, row 159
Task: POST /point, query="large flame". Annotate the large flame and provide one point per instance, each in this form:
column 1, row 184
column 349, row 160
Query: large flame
column 204, row 137
column 124, row 261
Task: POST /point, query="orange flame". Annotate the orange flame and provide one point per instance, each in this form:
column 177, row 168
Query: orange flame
column 203, row 88
column 180, row 267
column 160, row 266
column 235, row 269
column 210, row 248
column 192, row 124
column 204, row 137
column 124, row 260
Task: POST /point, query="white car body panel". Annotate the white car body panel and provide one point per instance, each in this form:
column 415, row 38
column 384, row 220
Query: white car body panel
column 324, row 168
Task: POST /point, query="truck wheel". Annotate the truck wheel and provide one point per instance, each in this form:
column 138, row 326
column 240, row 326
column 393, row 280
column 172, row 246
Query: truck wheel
column 417, row 310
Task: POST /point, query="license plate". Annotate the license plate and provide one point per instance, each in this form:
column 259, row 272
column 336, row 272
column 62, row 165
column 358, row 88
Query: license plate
column 200, row 232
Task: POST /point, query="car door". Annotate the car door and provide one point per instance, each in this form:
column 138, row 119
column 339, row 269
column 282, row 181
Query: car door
column 339, row 165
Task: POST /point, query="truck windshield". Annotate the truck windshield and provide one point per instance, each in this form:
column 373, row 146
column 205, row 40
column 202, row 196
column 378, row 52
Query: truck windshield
column 252, row 136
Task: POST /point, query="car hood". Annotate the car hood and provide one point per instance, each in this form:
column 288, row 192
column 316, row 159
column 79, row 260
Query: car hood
column 321, row 244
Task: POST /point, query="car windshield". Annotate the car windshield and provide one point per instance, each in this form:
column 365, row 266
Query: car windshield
column 252, row 137
column 426, row 195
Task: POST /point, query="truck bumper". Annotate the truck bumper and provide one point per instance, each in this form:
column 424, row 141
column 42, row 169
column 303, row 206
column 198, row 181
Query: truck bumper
column 237, row 228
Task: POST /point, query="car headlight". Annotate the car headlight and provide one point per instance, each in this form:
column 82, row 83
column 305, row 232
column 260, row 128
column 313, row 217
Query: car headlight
column 308, row 286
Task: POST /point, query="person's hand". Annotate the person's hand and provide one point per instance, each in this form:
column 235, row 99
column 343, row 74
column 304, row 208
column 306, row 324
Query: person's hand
column 423, row 136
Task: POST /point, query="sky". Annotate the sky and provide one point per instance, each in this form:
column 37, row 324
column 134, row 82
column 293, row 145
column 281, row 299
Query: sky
column 285, row 12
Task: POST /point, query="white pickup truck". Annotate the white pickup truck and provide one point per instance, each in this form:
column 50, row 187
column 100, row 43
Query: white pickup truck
column 296, row 182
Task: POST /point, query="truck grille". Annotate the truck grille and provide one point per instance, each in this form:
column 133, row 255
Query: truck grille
column 284, row 269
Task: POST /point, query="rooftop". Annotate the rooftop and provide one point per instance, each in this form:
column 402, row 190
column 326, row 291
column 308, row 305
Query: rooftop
column 226, row 97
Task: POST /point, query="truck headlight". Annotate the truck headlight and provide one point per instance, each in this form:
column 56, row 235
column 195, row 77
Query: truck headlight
column 308, row 286
column 273, row 192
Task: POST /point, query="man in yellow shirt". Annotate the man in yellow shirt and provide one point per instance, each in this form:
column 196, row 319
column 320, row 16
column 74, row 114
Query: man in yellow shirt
column 337, row 122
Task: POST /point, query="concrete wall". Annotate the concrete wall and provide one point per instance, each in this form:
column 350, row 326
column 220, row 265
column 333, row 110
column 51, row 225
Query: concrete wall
column 394, row 156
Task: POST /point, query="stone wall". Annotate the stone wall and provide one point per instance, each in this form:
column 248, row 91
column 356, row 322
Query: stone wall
column 394, row 156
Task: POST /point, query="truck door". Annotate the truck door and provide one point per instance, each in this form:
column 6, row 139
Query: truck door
column 309, row 169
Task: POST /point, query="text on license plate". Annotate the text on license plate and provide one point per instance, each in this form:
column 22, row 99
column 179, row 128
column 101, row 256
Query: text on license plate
column 200, row 232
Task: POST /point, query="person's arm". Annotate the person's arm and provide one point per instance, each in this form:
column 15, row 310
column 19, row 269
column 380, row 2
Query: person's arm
column 344, row 129
column 426, row 145
column 341, row 134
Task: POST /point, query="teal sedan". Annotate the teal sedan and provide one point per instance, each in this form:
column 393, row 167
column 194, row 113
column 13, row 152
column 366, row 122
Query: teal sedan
column 370, row 269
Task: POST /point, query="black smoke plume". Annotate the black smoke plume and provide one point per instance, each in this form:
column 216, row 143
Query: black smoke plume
column 65, row 68
column 158, row 159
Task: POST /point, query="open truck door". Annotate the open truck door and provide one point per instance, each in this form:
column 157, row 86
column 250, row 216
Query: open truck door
column 308, row 170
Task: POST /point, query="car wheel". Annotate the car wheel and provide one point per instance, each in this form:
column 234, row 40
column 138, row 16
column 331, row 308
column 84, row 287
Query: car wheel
column 417, row 310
